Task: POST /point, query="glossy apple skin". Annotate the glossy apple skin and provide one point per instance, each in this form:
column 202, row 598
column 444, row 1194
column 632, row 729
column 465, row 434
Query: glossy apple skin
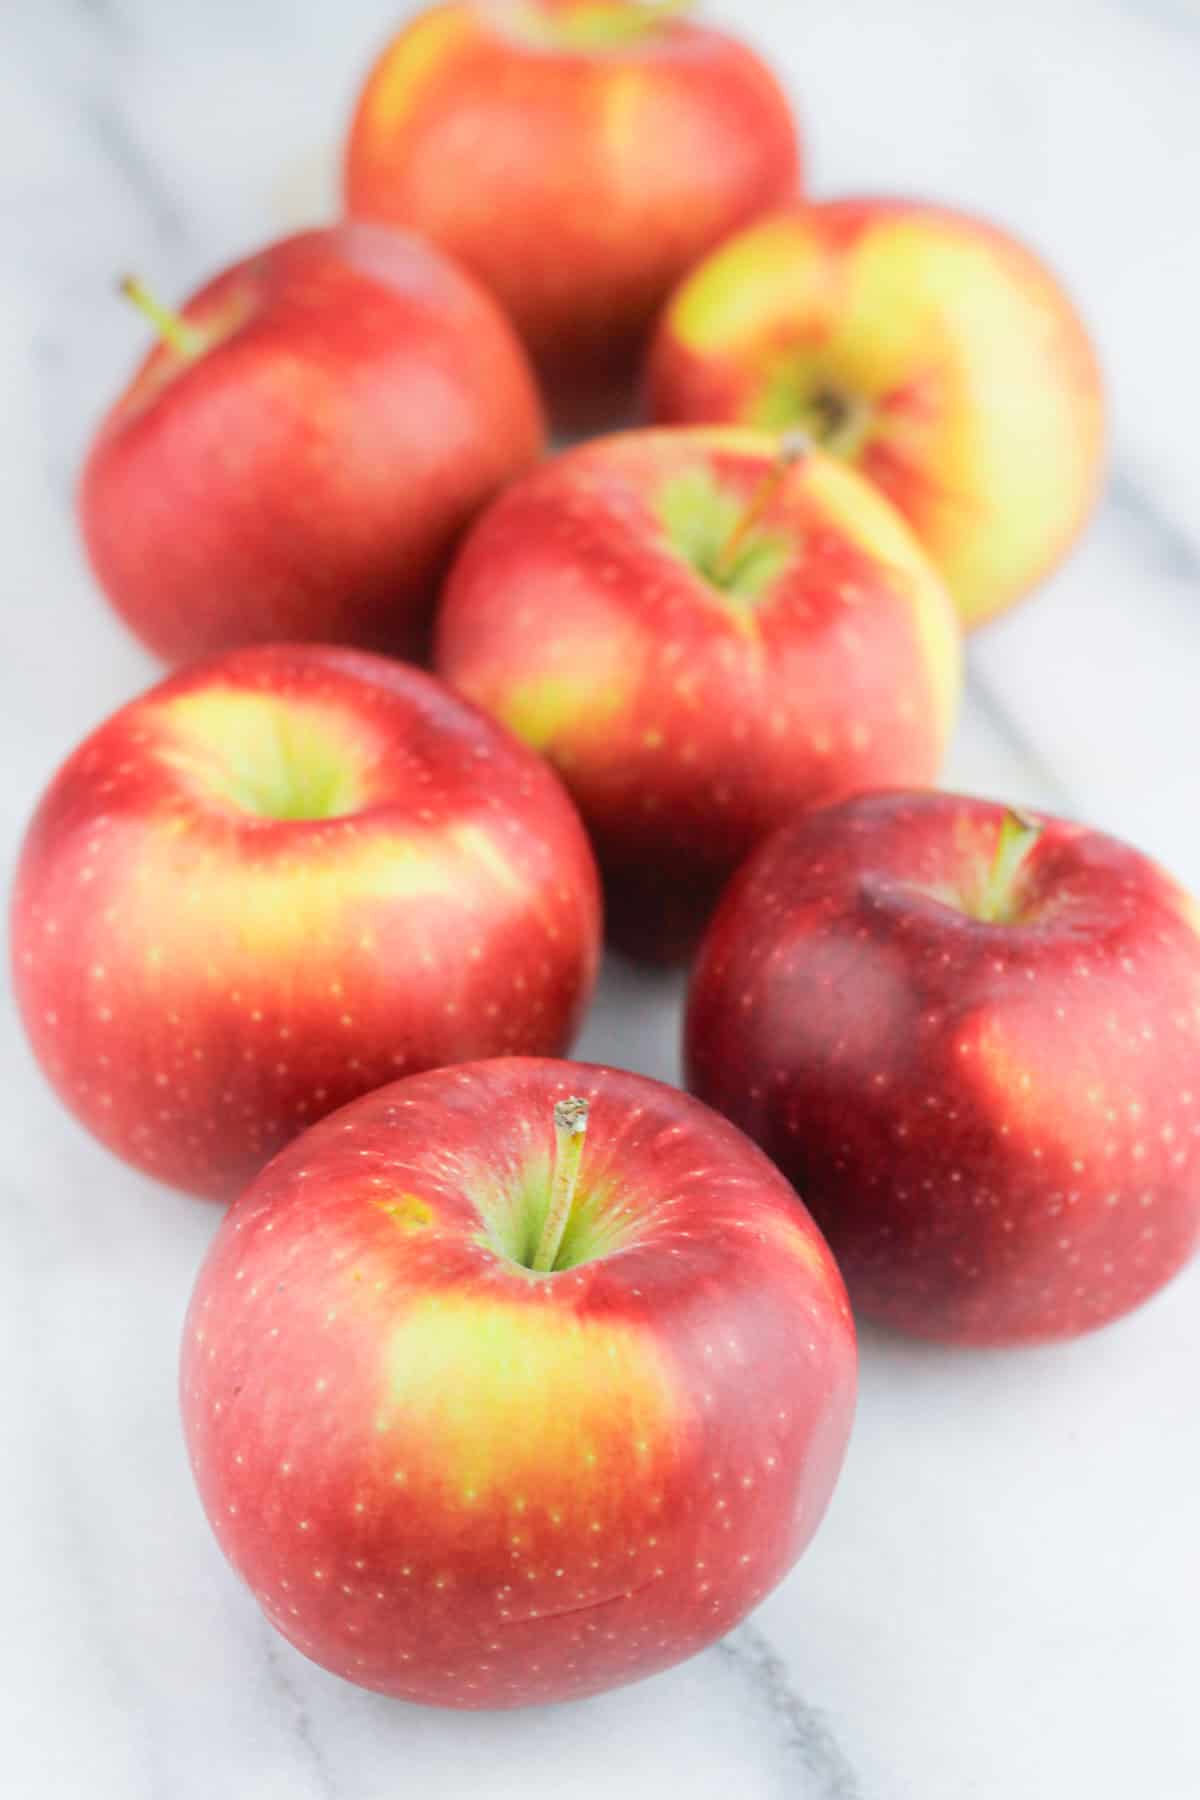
column 997, row 1126
column 684, row 729
column 577, row 187
column 985, row 399
column 455, row 1481
column 200, row 982
column 307, row 477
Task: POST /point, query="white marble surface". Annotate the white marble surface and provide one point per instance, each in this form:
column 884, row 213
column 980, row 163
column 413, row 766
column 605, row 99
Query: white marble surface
column 1004, row 1603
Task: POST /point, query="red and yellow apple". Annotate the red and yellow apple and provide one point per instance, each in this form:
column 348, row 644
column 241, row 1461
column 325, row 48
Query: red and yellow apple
column 702, row 638
column 485, row 1418
column 298, row 455
column 972, row 1041
column 277, row 880
column 932, row 351
column 577, row 156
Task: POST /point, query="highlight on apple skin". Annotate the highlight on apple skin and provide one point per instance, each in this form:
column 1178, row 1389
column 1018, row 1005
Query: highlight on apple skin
column 462, row 1472
column 972, row 1039
column 934, row 352
column 704, row 630
column 277, row 880
column 298, row 455
column 578, row 158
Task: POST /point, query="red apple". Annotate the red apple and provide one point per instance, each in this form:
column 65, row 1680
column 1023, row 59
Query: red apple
column 577, row 156
column 298, row 455
column 492, row 1403
column 932, row 351
column 277, row 880
column 703, row 632
column 972, row 1040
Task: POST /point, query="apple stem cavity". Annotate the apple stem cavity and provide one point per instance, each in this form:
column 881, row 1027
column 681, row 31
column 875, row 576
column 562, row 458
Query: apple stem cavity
column 1019, row 832
column 661, row 12
column 600, row 25
column 794, row 446
column 172, row 328
column 570, row 1126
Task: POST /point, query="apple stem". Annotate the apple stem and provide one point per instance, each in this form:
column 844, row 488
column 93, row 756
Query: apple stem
column 794, row 446
column 1019, row 832
column 570, row 1125
column 171, row 326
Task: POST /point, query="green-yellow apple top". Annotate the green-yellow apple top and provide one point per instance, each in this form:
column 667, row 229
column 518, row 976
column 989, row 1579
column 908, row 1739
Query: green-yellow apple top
column 931, row 350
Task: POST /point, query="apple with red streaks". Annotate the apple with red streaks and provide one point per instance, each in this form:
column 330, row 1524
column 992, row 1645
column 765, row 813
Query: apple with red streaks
column 932, row 351
column 578, row 156
column 972, row 1039
column 278, row 879
column 704, row 630
column 298, row 455
column 513, row 1382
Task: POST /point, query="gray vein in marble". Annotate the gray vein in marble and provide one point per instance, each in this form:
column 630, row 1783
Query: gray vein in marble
column 49, row 361
column 108, row 17
column 1132, row 504
column 808, row 1743
column 1008, row 727
column 324, row 1781
column 1177, row 16
column 125, row 155
column 84, row 1562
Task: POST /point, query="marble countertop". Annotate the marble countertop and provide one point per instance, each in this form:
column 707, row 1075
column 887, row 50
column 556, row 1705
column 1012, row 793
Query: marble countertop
column 1004, row 1603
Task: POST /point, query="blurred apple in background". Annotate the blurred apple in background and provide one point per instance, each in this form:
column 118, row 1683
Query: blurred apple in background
column 704, row 631
column 972, row 1040
column 298, row 455
column 577, row 156
column 933, row 352
column 515, row 1382
column 277, row 880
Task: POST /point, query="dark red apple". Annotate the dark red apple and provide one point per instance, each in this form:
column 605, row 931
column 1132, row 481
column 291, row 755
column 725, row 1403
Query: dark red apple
column 492, row 1402
column 277, row 880
column 972, row 1041
column 299, row 454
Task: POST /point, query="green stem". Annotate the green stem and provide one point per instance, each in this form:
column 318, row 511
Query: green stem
column 794, row 446
column 570, row 1125
column 1018, row 834
column 171, row 326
